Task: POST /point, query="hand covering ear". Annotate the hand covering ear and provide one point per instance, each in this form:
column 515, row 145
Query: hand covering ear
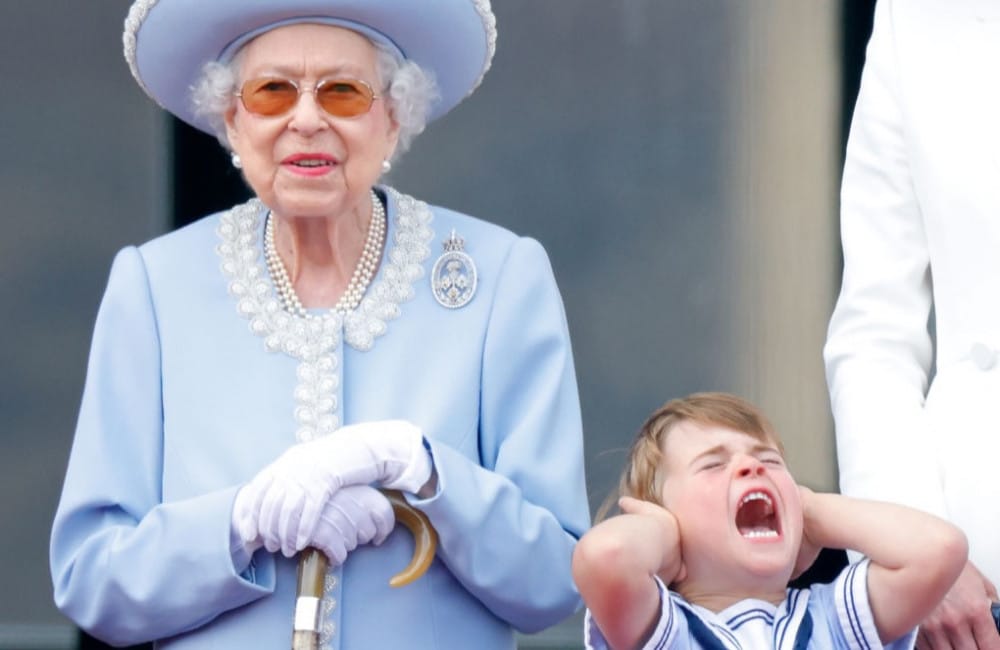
column 284, row 502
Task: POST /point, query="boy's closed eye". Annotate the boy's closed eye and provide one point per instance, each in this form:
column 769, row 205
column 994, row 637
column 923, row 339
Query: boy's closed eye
column 717, row 457
column 711, row 463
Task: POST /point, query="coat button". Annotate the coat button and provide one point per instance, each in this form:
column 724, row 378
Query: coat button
column 983, row 356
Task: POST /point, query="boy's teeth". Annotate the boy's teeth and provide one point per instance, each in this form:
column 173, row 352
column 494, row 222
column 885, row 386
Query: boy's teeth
column 754, row 496
column 755, row 517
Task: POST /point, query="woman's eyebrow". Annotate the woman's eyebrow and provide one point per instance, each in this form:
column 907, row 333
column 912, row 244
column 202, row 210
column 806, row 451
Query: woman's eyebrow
column 294, row 71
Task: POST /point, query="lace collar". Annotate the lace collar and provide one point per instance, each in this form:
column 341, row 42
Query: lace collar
column 241, row 251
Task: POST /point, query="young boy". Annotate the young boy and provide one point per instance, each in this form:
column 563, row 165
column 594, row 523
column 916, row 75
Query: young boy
column 714, row 527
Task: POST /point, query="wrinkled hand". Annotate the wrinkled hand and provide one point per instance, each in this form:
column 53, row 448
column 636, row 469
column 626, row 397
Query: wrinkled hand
column 283, row 503
column 963, row 619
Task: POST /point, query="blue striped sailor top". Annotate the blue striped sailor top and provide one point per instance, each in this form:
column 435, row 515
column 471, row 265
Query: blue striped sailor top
column 824, row 617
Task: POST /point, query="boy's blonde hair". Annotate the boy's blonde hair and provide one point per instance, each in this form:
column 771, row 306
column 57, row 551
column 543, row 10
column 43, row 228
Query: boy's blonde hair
column 643, row 474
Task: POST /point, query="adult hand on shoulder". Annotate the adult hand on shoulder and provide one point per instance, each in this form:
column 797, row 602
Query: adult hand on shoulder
column 963, row 619
column 283, row 504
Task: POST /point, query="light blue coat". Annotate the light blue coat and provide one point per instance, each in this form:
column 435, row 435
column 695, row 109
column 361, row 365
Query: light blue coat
column 183, row 404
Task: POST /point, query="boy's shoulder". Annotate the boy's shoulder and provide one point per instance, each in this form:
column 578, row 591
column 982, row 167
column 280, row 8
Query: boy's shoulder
column 830, row 616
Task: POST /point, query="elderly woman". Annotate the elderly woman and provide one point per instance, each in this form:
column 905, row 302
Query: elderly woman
column 256, row 375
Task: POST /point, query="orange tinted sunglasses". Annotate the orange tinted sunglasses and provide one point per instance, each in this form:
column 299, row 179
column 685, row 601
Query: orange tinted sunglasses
column 272, row 96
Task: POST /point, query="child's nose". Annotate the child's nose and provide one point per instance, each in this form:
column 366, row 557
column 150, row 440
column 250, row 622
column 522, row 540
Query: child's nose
column 750, row 466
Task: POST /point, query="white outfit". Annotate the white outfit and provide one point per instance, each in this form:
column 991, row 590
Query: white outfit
column 920, row 219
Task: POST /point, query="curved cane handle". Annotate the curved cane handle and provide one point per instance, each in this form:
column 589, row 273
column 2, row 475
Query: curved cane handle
column 424, row 538
column 313, row 565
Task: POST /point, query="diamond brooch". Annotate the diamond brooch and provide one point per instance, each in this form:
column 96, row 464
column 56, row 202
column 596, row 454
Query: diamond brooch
column 454, row 276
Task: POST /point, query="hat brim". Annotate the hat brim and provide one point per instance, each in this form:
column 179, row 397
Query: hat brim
column 167, row 42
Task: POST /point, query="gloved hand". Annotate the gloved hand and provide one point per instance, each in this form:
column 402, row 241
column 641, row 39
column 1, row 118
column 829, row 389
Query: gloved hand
column 354, row 515
column 283, row 503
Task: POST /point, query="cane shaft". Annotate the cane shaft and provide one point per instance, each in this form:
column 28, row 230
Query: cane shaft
column 308, row 596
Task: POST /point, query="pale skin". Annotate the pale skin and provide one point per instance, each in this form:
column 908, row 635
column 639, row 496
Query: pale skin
column 322, row 212
column 962, row 621
column 700, row 551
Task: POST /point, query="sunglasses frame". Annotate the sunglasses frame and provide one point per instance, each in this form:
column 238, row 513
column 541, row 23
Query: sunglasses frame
column 300, row 90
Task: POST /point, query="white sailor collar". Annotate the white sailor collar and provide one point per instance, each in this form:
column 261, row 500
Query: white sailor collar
column 751, row 624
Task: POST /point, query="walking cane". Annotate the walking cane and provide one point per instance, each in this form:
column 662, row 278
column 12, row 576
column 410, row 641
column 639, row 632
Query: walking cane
column 313, row 565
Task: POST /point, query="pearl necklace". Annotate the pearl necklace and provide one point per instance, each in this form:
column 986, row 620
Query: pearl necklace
column 360, row 279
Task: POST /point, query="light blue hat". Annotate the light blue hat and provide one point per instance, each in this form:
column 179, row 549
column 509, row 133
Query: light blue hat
column 168, row 41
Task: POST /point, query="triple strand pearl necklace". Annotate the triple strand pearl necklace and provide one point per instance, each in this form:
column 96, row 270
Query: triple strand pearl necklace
column 360, row 279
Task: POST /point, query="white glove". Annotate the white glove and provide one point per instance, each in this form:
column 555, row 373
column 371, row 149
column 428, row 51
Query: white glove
column 283, row 503
column 354, row 515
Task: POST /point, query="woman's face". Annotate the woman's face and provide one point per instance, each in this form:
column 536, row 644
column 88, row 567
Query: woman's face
column 306, row 162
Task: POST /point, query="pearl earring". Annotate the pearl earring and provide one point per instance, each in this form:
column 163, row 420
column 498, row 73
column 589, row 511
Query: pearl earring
column 235, row 159
column 386, row 166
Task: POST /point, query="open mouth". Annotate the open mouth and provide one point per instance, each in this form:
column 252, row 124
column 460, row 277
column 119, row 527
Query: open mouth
column 755, row 517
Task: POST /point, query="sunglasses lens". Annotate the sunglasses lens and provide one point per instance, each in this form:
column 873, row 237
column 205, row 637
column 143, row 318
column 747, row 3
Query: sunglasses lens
column 269, row 96
column 344, row 97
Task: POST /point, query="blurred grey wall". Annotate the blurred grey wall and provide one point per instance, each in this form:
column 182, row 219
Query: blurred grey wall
column 82, row 167
column 676, row 158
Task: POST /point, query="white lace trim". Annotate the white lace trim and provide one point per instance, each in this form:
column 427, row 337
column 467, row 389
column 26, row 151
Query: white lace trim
column 412, row 236
column 328, row 604
column 137, row 14
column 490, row 25
column 313, row 341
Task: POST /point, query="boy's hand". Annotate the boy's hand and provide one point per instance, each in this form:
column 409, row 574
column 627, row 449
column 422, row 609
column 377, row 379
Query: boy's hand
column 614, row 565
column 633, row 506
column 809, row 550
column 672, row 567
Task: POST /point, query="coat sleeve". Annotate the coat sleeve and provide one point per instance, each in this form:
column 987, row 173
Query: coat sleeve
column 508, row 525
column 878, row 350
column 127, row 567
